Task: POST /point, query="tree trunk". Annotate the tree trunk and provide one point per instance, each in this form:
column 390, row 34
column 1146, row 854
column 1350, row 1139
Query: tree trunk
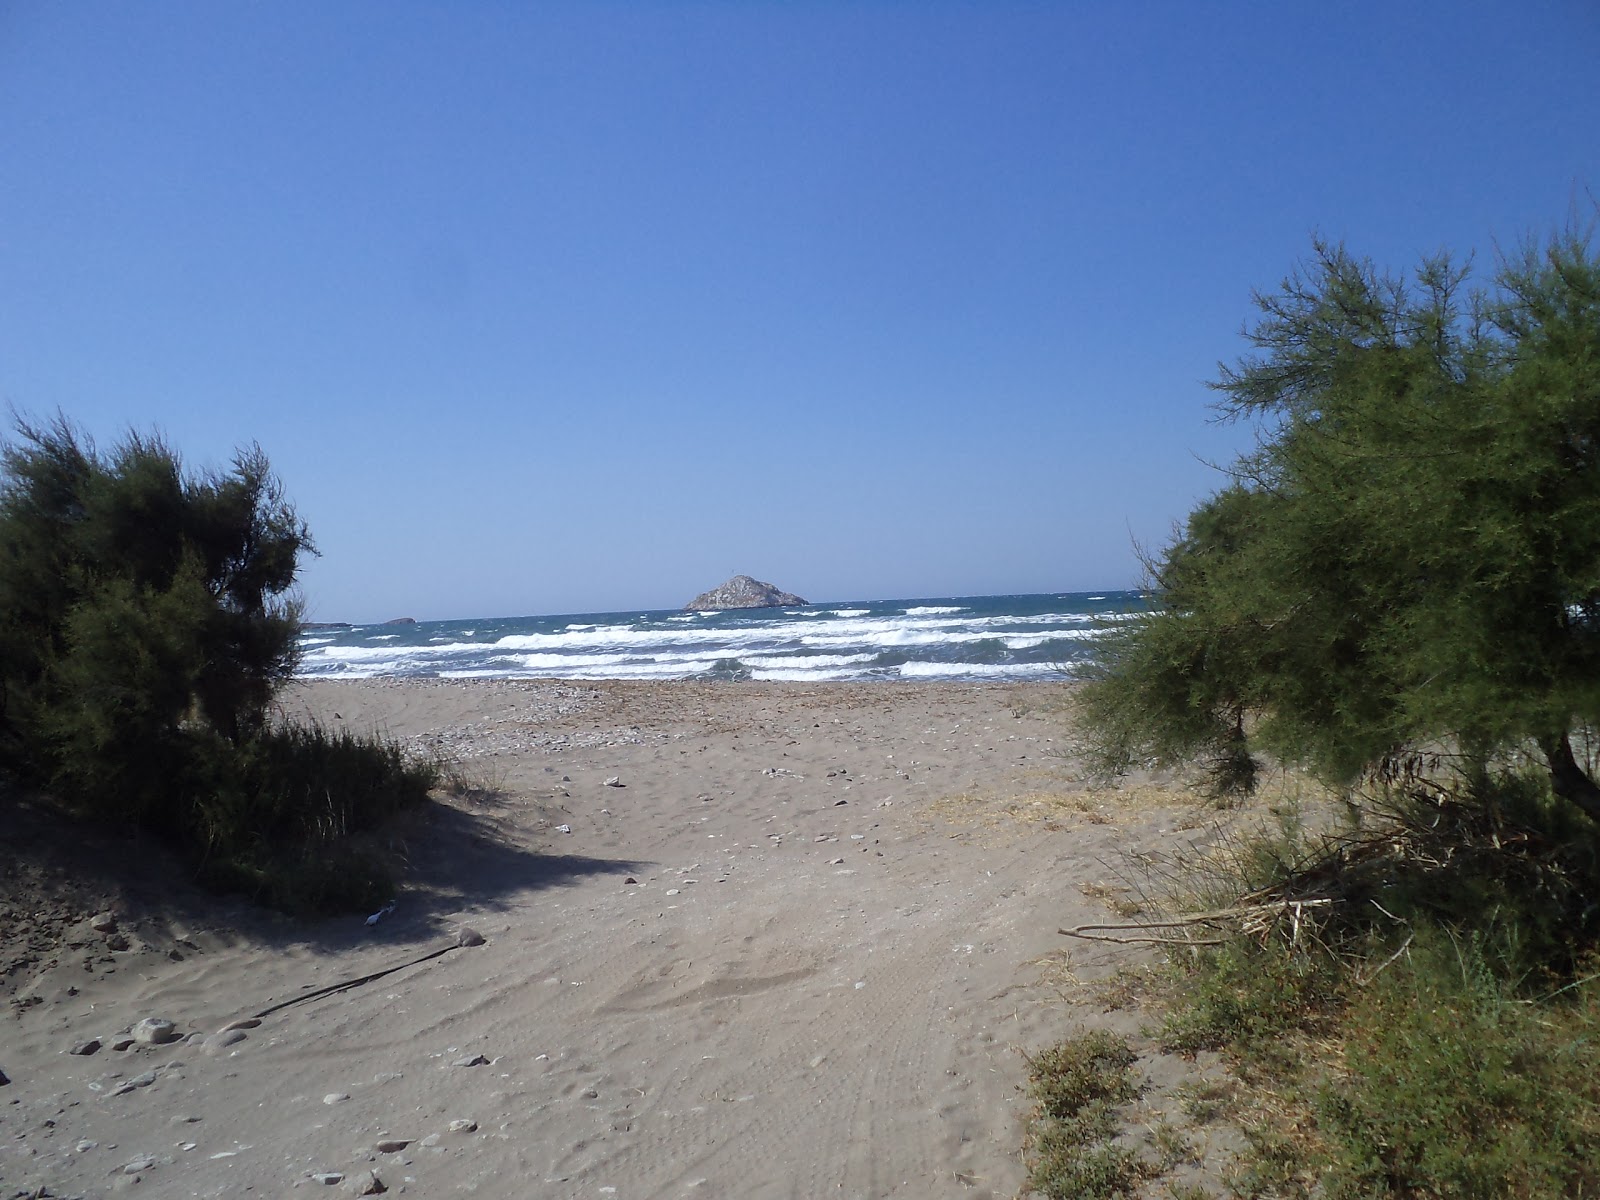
column 1567, row 779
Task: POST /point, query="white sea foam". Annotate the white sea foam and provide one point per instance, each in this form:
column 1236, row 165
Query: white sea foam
column 934, row 670
column 848, row 612
column 810, row 662
column 932, row 610
column 382, row 637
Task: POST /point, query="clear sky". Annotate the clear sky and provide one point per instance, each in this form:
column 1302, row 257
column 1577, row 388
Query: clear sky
column 551, row 307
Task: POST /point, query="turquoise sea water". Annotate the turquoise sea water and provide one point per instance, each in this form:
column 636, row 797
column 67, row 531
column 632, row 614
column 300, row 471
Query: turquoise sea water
column 965, row 637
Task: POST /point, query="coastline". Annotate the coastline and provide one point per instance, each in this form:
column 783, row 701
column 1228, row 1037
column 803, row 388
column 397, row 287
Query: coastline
column 801, row 950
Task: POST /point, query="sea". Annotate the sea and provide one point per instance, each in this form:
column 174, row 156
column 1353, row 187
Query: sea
column 979, row 638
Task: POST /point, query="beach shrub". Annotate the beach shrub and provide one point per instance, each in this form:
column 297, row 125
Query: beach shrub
column 147, row 618
column 1079, row 1087
column 1409, row 561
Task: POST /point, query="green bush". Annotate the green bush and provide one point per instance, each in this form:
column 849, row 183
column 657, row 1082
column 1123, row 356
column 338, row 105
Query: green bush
column 1455, row 1085
column 147, row 618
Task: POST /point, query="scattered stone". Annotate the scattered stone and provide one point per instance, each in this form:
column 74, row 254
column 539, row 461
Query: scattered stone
column 155, row 1031
column 463, row 1126
column 195, row 1039
column 241, row 1023
column 468, row 936
column 366, row 1183
column 135, row 1165
column 328, row 1177
column 471, row 1060
column 185, row 1119
column 218, row 1042
column 134, row 1084
column 834, row 862
column 121, row 1042
column 430, row 1141
column 4, row 1079
column 590, row 1093
column 91, row 1046
column 105, row 922
column 187, row 1146
column 392, row 1145
column 116, row 941
column 615, row 781
column 85, row 1146
column 673, row 891
column 336, row 1097
column 628, row 880
column 563, row 828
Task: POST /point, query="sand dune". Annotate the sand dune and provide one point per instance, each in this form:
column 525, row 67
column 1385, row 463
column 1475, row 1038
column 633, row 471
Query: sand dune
column 796, row 953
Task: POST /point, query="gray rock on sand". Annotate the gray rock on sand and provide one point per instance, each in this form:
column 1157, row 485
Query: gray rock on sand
column 463, row 1125
column 154, row 1031
column 392, row 1145
column 468, row 936
column 217, row 1043
column 105, row 922
column 336, row 1097
column 471, row 1060
column 91, row 1046
column 743, row 592
column 327, row 1177
column 365, row 1183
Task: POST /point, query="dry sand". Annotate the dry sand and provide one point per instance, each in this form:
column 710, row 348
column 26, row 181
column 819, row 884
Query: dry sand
column 799, row 952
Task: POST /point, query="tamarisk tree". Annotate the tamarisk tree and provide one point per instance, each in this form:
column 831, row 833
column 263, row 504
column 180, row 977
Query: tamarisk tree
column 1409, row 558
column 144, row 613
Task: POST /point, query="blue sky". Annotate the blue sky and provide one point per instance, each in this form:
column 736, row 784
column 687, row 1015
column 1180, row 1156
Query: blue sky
column 582, row 307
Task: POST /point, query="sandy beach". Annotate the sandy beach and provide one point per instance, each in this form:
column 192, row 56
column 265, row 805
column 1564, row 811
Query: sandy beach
column 754, row 940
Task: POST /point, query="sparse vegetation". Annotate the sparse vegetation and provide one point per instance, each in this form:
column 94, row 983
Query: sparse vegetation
column 146, row 620
column 1078, row 1086
column 1399, row 592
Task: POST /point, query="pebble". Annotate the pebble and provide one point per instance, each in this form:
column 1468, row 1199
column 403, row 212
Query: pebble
column 116, row 941
column 366, row 1183
column 615, row 781
column 88, row 1047
column 392, row 1145
column 85, row 1146
column 154, row 1031
column 463, row 1126
column 218, row 1042
column 135, row 1165
column 121, row 1043
column 673, row 891
column 241, row 1023
column 105, row 922
column 471, row 1060
column 563, row 828
column 328, row 1177
column 468, row 936
column 336, row 1097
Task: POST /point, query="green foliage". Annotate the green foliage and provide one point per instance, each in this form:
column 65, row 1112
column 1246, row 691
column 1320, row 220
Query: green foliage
column 146, row 619
column 1454, row 1085
column 1078, row 1086
column 1410, row 557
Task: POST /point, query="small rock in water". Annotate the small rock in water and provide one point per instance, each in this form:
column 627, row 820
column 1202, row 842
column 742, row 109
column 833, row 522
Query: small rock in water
column 105, row 922
column 88, row 1047
column 336, row 1097
column 471, row 1060
column 155, row 1031
column 468, row 936
column 463, row 1126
